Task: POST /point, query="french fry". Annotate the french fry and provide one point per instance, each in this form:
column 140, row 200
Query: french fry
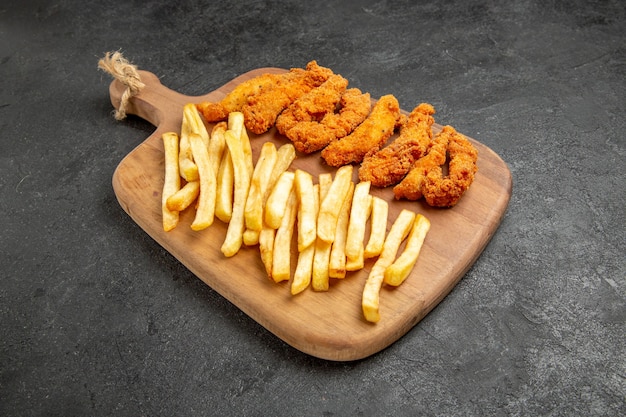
column 281, row 264
column 266, row 248
column 258, row 187
column 307, row 219
column 378, row 221
column 304, row 267
column 371, row 292
column 225, row 184
column 184, row 197
column 359, row 214
column 186, row 165
column 337, row 263
column 325, row 179
column 171, row 183
column 217, row 145
column 236, row 226
column 194, row 123
column 330, row 206
column 251, row 237
column 255, row 204
column 247, row 151
column 304, row 270
column 277, row 200
column 321, row 258
column 285, row 156
column 396, row 273
column 236, row 124
column 205, row 211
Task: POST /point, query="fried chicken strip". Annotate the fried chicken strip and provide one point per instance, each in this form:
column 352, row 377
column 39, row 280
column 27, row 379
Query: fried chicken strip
column 355, row 106
column 263, row 108
column 390, row 164
column 237, row 98
column 311, row 136
column 410, row 187
column 446, row 191
column 314, row 105
column 369, row 136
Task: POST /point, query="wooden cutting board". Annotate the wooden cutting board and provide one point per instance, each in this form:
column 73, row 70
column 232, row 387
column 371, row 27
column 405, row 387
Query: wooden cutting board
column 328, row 325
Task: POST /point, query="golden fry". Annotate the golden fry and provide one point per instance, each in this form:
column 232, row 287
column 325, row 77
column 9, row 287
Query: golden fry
column 337, row 263
column 321, row 258
column 236, row 124
column 277, row 201
column 205, row 210
column 359, row 214
column 194, row 123
column 304, row 268
column 378, row 221
column 396, row 273
column 247, row 151
column 186, row 165
column 281, row 264
column 371, row 293
column 184, row 197
column 236, row 226
column 251, row 237
column 171, row 184
column 266, row 248
column 285, row 156
column 217, row 145
column 330, row 206
column 258, row 187
column 225, row 184
column 307, row 219
column 325, row 179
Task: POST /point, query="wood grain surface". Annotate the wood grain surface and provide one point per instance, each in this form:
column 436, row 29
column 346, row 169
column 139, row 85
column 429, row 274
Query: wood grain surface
column 328, row 325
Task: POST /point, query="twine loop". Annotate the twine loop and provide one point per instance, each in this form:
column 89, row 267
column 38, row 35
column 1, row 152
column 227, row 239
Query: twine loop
column 117, row 66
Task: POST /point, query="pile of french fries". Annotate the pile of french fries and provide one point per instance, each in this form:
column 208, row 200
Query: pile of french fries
column 266, row 204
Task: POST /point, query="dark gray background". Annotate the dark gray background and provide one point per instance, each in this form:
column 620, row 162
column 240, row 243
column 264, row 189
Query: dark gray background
column 97, row 319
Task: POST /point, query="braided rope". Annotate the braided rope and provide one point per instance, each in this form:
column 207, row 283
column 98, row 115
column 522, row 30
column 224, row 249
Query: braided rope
column 117, row 66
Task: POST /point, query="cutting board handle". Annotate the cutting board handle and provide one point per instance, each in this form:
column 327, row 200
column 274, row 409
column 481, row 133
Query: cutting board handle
column 154, row 103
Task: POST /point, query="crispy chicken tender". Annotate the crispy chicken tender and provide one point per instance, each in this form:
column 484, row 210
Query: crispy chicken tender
column 236, row 99
column 311, row 136
column 390, row 164
column 355, row 106
column 314, row 105
column 263, row 108
column 369, row 136
column 410, row 187
column 446, row 191
column 426, row 178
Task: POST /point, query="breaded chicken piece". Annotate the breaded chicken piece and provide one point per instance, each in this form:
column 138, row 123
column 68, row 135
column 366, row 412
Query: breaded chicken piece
column 311, row 136
column 355, row 106
column 236, row 99
column 410, row 187
column 390, row 164
column 262, row 109
column 368, row 136
column 314, row 105
column 446, row 191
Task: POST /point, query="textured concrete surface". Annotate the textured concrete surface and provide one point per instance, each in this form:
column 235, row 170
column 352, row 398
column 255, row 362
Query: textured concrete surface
column 97, row 319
